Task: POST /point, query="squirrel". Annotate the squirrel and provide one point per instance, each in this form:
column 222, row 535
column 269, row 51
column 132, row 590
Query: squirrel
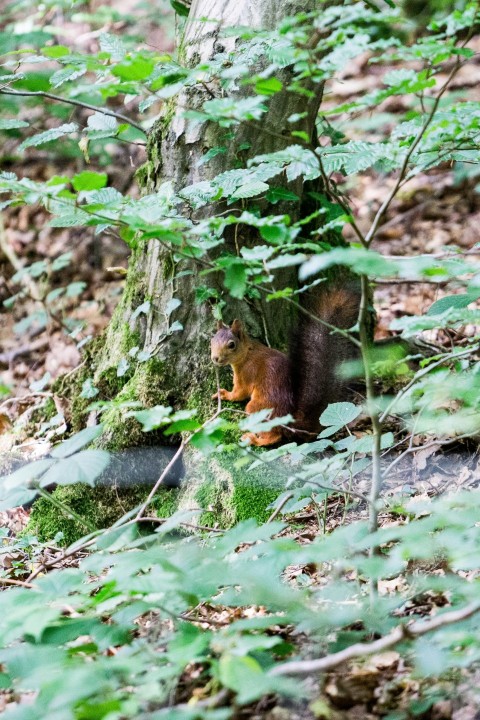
column 301, row 383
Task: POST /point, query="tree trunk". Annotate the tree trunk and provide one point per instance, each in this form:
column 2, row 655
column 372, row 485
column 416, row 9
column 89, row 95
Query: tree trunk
column 180, row 373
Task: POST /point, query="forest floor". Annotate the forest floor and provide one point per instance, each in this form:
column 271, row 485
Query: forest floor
column 431, row 215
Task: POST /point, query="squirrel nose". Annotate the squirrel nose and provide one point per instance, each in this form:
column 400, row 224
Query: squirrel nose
column 215, row 359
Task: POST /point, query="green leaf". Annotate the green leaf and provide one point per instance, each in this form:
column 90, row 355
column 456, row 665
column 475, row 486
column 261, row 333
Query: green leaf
column 244, row 675
column 340, row 414
column 11, row 123
column 88, row 389
column 180, row 8
column 275, row 234
column 153, row 418
column 260, row 421
column 279, row 194
column 136, row 69
column 268, row 86
column 453, row 301
column 89, row 180
column 49, row 135
column 249, row 190
column 77, row 442
column 236, row 279
column 55, row 51
column 143, row 308
column 113, row 46
column 360, row 260
column 188, row 644
column 70, row 73
column 101, row 125
column 83, row 467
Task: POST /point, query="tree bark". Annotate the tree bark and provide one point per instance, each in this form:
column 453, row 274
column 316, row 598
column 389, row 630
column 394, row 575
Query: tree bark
column 180, row 373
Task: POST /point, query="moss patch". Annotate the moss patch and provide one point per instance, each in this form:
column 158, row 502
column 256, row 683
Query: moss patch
column 228, row 493
column 102, row 506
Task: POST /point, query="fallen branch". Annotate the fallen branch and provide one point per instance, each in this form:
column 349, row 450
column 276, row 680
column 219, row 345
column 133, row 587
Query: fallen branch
column 396, row 636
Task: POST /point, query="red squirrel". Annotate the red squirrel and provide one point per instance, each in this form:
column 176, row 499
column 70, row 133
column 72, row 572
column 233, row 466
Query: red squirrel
column 302, row 383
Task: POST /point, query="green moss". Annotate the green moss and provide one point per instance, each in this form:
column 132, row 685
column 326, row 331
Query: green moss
column 102, row 506
column 168, row 267
column 166, row 502
column 229, row 492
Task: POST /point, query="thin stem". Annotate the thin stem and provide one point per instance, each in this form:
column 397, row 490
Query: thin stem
column 172, row 462
column 69, row 101
column 418, row 138
column 372, row 409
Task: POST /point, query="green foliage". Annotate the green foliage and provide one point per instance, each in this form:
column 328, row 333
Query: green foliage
column 77, row 639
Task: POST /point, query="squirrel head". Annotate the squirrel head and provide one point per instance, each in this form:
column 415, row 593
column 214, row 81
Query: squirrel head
column 227, row 343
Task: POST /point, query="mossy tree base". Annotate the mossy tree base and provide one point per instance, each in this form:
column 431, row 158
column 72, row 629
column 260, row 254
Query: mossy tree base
column 224, row 493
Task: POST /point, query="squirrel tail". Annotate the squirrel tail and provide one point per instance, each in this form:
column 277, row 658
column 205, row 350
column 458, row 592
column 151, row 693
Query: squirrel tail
column 317, row 353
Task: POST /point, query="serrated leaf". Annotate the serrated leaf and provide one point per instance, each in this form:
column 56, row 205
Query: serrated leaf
column 49, row 135
column 11, row 124
column 250, row 190
column 340, row 414
column 66, row 74
column 101, row 125
column 112, row 45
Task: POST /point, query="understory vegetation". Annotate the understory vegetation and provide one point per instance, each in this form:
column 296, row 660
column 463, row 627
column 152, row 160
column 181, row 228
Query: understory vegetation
column 153, row 564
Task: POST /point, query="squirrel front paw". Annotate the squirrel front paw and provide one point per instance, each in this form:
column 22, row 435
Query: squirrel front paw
column 224, row 395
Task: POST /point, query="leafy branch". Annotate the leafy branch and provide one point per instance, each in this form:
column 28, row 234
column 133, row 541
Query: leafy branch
column 70, row 101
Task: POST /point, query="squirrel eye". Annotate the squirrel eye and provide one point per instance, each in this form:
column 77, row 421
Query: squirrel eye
column 231, row 345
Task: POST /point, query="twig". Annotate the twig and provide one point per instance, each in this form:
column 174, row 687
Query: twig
column 399, row 634
column 69, row 101
column 160, row 480
column 372, row 407
column 386, row 203
column 18, row 583
column 340, row 491
column 169, row 466
column 210, row 702
column 280, row 507
column 72, row 550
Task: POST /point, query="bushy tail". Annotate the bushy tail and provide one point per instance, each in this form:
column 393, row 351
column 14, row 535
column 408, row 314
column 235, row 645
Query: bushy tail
column 317, row 353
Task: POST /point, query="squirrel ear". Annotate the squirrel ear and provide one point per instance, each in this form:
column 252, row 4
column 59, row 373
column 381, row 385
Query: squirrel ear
column 220, row 325
column 237, row 328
